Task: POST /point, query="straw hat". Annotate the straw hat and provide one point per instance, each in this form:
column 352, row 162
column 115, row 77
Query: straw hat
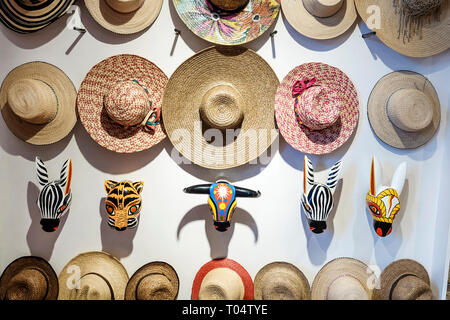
column 101, row 277
column 320, row 19
column 342, row 279
column 153, row 281
column 221, row 88
column 124, row 16
column 38, row 103
column 428, row 34
column 404, row 109
column 119, row 103
column 26, row 16
column 29, row 278
column 228, row 22
column 317, row 108
column 222, row 279
column 281, row 281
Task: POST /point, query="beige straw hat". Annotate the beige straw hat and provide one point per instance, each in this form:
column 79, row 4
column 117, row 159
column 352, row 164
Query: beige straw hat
column 221, row 88
column 404, row 109
column 124, row 16
column 281, row 281
column 320, row 19
column 153, row 281
column 93, row 276
column 342, row 279
column 412, row 34
column 38, row 103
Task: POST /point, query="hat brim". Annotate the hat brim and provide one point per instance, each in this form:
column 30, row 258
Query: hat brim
column 379, row 120
column 65, row 92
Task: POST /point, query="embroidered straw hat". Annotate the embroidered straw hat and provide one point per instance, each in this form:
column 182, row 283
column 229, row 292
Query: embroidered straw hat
column 415, row 28
column 29, row 278
column 119, row 103
column 320, row 19
column 281, row 281
column 124, row 16
column 38, row 103
column 101, row 277
column 224, row 89
column 317, row 108
column 228, row 22
column 222, row 279
column 404, row 109
column 153, row 281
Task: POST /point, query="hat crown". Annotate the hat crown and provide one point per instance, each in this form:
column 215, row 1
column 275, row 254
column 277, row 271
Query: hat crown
column 323, row 8
column 420, row 7
column 229, row 5
column 154, row 286
column 411, row 287
column 221, row 284
column 92, row 287
column 347, row 287
column 28, row 284
column 282, row 285
column 125, row 6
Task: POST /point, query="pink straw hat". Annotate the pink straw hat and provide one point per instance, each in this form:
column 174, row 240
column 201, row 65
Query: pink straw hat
column 316, row 108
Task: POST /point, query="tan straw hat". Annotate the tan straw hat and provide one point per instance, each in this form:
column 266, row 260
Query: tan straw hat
column 124, row 16
column 415, row 28
column 29, row 278
column 281, row 281
column 404, row 109
column 153, row 281
column 342, row 279
column 221, row 88
column 93, row 276
column 320, row 19
column 38, row 103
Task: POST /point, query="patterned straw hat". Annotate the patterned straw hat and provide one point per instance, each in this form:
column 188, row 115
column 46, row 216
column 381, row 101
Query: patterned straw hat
column 317, row 108
column 228, row 22
column 119, row 103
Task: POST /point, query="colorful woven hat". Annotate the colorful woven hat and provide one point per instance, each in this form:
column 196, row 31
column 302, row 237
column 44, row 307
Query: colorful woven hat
column 26, row 16
column 214, row 22
column 119, row 103
column 317, row 108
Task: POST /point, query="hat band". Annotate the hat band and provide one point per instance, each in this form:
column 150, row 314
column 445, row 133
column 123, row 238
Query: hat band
column 394, row 284
column 298, row 88
column 57, row 102
column 153, row 117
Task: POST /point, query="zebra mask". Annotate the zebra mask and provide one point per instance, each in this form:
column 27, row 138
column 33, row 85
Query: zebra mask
column 317, row 198
column 54, row 197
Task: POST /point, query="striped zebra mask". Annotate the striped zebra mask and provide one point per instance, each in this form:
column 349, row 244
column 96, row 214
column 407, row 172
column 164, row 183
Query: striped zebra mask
column 54, row 197
column 317, row 198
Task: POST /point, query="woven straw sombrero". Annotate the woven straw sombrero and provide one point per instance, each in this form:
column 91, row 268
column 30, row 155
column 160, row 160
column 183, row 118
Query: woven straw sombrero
column 316, row 108
column 320, row 19
column 38, row 103
column 411, row 27
column 124, row 16
column 119, row 103
column 228, row 22
column 221, row 88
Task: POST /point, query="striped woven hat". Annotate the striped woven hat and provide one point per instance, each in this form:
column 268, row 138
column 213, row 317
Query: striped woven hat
column 25, row 16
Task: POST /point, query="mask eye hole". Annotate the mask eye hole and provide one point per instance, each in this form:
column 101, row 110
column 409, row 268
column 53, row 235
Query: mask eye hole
column 374, row 209
column 62, row 208
column 110, row 210
column 306, row 206
column 133, row 209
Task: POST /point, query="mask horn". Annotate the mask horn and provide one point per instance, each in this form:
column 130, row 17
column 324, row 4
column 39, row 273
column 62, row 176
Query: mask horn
column 333, row 176
column 398, row 179
column 198, row 189
column 246, row 193
column 41, row 172
column 375, row 176
column 66, row 175
column 308, row 174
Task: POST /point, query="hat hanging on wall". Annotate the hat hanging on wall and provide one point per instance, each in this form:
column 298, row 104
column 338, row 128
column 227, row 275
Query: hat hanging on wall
column 101, row 277
column 38, row 103
column 317, row 108
column 26, row 16
column 320, row 19
column 404, row 109
column 119, row 103
column 228, row 22
column 29, row 278
column 415, row 28
column 124, row 16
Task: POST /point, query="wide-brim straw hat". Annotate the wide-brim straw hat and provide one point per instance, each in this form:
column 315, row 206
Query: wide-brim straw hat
column 404, row 109
column 222, row 279
column 113, row 73
column 235, row 28
column 433, row 38
column 318, row 21
column 30, row 16
column 221, row 88
column 281, row 281
column 29, row 278
column 38, row 103
column 332, row 137
column 153, row 281
column 93, row 276
column 117, row 17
